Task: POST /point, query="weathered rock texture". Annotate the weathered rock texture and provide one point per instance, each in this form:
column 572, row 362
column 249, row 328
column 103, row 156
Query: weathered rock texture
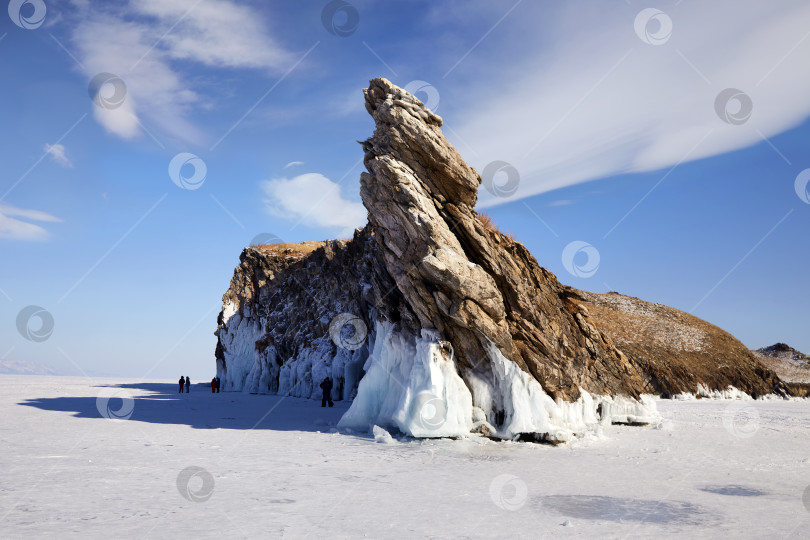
column 427, row 261
column 466, row 280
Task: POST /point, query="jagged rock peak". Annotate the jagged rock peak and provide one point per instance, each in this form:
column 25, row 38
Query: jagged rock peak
column 410, row 133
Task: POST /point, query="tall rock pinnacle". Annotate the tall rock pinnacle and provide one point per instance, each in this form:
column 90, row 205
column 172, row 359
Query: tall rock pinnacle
column 469, row 282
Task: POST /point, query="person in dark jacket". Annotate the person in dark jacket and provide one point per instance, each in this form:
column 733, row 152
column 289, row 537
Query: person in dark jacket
column 326, row 386
column 188, row 384
column 219, row 383
column 182, row 383
column 213, row 385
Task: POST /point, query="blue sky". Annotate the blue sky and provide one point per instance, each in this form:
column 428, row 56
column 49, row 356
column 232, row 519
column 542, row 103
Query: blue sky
column 613, row 117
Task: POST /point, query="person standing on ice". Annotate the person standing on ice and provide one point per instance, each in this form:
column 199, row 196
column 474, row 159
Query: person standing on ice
column 213, row 385
column 182, row 383
column 188, row 384
column 326, row 386
column 218, row 384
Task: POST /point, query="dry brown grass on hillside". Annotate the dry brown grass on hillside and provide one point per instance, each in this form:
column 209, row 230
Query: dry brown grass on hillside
column 486, row 220
column 294, row 250
column 677, row 350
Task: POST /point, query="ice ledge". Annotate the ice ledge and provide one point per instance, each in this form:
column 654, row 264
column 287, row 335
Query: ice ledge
column 730, row 393
column 412, row 385
column 528, row 411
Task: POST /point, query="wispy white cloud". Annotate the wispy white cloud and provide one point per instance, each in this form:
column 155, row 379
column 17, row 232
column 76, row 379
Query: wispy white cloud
column 16, row 229
column 313, row 200
column 591, row 99
column 147, row 44
column 59, row 154
column 219, row 33
column 293, row 164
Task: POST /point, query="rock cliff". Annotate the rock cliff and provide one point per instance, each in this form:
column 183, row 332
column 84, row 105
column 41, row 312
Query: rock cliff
column 454, row 326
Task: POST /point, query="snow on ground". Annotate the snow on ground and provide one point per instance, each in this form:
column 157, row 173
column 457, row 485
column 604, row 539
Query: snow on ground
column 240, row 466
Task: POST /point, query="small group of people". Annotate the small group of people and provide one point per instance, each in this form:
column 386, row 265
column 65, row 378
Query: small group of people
column 185, row 382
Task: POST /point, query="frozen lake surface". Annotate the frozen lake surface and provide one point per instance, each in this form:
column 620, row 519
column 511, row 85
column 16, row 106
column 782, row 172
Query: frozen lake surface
column 244, row 466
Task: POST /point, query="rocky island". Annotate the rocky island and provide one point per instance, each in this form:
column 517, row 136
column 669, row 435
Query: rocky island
column 443, row 326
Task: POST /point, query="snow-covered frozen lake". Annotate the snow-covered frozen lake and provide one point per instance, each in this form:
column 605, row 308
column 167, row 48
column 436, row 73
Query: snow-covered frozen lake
column 243, row 466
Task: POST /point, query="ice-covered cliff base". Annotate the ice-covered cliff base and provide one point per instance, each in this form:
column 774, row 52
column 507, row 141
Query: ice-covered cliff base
column 412, row 385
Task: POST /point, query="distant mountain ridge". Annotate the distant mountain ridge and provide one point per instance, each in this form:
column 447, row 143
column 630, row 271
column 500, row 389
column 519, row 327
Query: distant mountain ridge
column 24, row 367
column 784, row 351
column 791, row 365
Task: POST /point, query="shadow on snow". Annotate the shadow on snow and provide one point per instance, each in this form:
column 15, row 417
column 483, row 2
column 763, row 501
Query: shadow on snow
column 160, row 403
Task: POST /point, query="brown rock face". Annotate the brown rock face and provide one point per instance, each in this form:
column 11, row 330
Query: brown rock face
column 467, row 281
column 428, row 265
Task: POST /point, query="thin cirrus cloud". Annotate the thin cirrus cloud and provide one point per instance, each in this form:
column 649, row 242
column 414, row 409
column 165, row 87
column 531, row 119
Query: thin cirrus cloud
column 58, row 153
column 133, row 42
column 12, row 228
column 596, row 100
column 313, row 200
